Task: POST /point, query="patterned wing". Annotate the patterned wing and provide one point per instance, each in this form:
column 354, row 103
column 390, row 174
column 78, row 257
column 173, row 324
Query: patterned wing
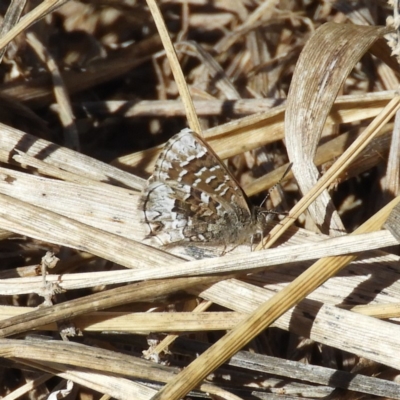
column 192, row 196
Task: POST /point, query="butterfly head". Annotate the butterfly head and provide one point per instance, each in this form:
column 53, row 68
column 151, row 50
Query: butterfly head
column 262, row 218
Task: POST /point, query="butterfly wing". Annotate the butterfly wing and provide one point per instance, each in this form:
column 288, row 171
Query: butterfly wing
column 192, row 195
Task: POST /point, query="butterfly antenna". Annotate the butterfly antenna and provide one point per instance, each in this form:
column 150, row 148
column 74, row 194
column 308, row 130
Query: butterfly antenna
column 276, row 184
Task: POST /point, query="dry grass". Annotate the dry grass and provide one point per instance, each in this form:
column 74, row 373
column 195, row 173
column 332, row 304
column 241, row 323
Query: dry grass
column 86, row 94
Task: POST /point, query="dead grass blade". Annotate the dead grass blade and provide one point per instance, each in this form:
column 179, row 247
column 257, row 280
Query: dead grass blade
column 19, row 216
column 64, row 109
column 138, row 292
column 14, row 141
column 10, row 19
column 176, row 69
column 266, row 127
column 33, row 16
column 323, row 66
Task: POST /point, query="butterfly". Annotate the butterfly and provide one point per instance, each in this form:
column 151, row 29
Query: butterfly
column 192, row 197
